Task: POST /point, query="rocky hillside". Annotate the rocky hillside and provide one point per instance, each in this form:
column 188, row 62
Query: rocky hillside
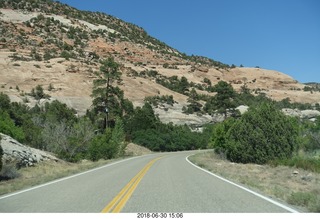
column 22, row 155
column 59, row 47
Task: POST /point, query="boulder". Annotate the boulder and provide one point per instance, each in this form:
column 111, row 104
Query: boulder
column 242, row 109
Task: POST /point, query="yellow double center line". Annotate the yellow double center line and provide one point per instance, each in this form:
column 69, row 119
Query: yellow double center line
column 116, row 205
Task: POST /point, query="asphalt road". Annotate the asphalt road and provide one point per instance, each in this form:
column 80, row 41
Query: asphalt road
column 153, row 183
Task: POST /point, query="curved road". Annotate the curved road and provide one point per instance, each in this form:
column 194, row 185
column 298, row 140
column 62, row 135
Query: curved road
column 164, row 182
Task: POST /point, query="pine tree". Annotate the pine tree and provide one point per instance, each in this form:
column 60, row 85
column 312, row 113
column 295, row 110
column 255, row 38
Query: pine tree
column 194, row 105
column 108, row 98
column 223, row 101
column 224, row 97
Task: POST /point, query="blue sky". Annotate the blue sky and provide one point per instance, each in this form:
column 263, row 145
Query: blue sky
column 282, row 35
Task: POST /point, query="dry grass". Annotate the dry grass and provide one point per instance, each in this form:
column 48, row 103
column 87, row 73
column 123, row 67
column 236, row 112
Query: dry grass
column 45, row 172
column 136, row 150
column 48, row 171
column 295, row 186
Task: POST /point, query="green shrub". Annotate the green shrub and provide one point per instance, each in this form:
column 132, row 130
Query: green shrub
column 118, row 137
column 207, row 81
column 9, row 171
column 223, row 101
column 8, row 127
column 145, row 128
column 102, row 147
column 150, row 138
column 65, row 54
column 155, row 100
column 174, row 83
column 306, row 163
column 4, row 102
column 169, row 137
column 260, row 135
column 58, row 112
column 315, row 206
column 143, row 118
column 38, row 93
column 306, row 199
column 219, row 136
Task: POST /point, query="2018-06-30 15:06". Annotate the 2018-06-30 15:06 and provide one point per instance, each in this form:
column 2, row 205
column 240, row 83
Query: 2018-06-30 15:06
column 159, row 215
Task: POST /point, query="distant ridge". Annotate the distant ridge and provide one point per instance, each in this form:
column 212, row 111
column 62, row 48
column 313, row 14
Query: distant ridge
column 47, row 43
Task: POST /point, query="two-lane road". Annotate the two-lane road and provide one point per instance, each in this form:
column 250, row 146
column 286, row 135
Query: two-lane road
column 164, row 182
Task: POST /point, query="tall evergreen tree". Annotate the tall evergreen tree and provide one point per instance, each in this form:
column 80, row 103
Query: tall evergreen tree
column 183, row 85
column 142, row 119
column 194, row 105
column 108, row 98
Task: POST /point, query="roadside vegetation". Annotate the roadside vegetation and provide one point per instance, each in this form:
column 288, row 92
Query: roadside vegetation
column 260, row 135
column 295, row 186
column 103, row 132
column 263, row 135
column 45, row 172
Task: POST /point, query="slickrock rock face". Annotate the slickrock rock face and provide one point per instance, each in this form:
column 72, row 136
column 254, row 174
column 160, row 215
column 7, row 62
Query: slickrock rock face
column 51, row 47
column 13, row 151
column 303, row 114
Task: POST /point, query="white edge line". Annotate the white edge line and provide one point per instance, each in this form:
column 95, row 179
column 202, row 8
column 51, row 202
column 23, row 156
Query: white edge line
column 68, row 177
column 241, row 187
